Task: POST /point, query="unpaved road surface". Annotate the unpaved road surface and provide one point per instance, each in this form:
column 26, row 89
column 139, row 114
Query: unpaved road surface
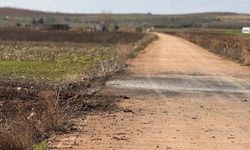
column 181, row 97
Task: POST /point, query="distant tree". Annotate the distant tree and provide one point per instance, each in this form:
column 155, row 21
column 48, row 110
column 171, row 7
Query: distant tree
column 149, row 13
column 33, row 21
column 40, row 21
column 116, row 28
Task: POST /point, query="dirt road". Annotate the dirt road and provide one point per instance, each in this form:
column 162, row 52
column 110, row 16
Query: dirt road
column 181, row 97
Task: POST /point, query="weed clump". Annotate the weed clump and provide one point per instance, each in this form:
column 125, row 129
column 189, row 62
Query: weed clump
column 33, row 123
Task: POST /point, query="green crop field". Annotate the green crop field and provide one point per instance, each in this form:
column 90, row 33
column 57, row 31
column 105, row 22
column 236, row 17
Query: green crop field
column 50, row 61
column 62, row 56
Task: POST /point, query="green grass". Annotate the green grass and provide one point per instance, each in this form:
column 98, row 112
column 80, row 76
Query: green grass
column 63, row 66
column 232, row 31
column 222, row 31
column 42, row 146
column 37, row 70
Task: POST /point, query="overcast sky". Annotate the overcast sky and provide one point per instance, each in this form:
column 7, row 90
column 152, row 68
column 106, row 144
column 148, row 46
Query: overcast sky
column 132, row 6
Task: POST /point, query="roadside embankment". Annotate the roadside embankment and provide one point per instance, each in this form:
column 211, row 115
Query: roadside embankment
column 236, row 47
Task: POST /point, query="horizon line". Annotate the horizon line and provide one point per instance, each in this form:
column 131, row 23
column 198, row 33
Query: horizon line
column 115, row 13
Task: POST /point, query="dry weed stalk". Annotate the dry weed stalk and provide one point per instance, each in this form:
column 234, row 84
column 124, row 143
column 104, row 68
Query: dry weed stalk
column 29, row 127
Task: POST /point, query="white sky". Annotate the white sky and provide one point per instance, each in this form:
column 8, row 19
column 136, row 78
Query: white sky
column 132, row 6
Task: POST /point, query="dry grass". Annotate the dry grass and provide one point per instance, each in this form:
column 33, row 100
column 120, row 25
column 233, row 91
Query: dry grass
column 29, row 127
column 8, row 142
column 236, row 47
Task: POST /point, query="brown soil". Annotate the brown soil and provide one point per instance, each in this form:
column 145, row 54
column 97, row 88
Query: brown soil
column 178, row 96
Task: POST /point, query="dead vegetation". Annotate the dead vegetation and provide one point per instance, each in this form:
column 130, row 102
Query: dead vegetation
column 236, row 47
column 76, row 37
column 33, row 122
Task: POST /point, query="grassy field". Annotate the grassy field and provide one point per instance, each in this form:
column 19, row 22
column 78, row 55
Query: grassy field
column 29, row 55
column 50, row 61
column 204, row 30
column 36, row 56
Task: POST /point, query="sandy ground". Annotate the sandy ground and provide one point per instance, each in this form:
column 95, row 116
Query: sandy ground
column 181, row 97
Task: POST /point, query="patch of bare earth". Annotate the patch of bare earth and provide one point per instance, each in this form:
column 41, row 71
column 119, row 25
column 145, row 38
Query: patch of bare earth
column 179, row 96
